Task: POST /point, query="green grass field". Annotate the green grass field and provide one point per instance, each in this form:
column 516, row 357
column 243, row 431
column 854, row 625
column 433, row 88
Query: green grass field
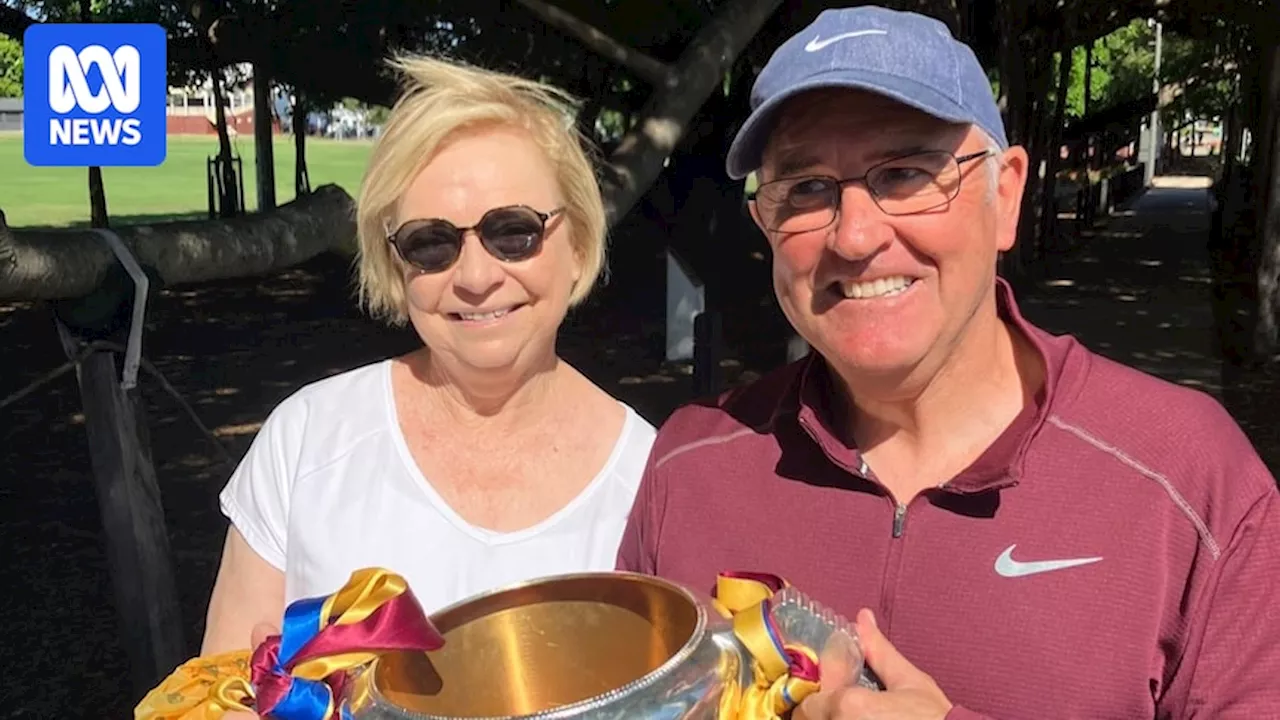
column 59, row 197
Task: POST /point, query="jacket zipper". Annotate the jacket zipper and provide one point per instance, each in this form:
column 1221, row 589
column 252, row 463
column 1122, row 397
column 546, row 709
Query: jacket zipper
column 893, row 561
column 892, row 566
column 899, row 520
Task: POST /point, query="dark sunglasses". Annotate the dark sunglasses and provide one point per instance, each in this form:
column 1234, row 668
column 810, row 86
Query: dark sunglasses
column 510, row 234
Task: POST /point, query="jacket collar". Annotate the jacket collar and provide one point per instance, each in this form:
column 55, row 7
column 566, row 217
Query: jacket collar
column 1001, row 464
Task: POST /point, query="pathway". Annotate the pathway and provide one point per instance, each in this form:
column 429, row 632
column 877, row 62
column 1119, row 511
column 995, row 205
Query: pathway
column 1138, row 288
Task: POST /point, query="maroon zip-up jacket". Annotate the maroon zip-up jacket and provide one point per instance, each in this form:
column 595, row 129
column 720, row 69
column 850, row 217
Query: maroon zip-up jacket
column 1114, row 554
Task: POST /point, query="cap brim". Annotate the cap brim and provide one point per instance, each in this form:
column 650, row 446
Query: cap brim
column 748, row 145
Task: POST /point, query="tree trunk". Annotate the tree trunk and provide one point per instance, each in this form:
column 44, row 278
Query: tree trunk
column 57, row 264
column 1014, row 101
column 263, row 138
column 1231, row 248
column 1053, row 147
column 1036, row 126
column 227, row 196
column 98, row 216
column 1088, row 76
column 301, row 180
column 1267, row 161
column 637, row 161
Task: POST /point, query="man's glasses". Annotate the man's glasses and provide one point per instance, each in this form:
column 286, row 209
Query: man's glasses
column 509, row 234
column 907, row 185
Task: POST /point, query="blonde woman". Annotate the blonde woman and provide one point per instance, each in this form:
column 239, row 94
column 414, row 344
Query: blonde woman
column 481, row 459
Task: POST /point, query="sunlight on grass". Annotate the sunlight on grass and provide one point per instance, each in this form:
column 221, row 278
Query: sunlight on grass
column 59, row 197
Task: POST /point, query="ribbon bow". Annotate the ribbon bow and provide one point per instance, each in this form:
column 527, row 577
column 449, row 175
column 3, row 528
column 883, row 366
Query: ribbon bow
column 784, row 674
column 300, row 673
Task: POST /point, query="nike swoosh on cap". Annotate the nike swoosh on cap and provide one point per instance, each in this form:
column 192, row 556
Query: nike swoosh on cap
column 817, row 43
column 1006, row 566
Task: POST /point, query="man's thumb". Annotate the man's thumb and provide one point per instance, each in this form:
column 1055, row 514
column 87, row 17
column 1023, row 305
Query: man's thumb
column 882, row 657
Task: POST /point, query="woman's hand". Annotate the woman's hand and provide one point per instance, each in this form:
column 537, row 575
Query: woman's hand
column 260, row 633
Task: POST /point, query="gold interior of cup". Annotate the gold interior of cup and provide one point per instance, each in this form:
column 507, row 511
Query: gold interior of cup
column 541, row 646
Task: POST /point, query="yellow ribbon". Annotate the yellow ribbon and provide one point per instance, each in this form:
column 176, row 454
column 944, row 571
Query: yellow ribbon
column 774, row 692
column 205, row 688
column 232, row 692
column 191, row 690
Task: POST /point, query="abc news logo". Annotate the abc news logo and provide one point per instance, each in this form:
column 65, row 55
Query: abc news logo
column 69, row 90
column 95, row 94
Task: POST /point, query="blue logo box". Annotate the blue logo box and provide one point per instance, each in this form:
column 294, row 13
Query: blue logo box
column 94, row 94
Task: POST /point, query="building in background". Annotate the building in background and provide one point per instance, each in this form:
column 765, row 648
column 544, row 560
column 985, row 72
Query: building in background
column 10, row 114
column 191, row 109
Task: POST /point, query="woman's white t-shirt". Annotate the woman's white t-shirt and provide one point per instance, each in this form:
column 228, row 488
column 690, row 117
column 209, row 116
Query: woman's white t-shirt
column 328, row 486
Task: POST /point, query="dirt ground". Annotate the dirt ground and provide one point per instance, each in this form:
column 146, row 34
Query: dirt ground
column 1136, row 290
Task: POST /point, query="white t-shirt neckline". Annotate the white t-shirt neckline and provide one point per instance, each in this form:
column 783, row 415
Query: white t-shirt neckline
column 481, row 534
column 325, row 490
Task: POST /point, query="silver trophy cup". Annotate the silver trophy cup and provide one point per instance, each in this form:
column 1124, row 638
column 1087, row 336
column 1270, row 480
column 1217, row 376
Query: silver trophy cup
column 591, row 646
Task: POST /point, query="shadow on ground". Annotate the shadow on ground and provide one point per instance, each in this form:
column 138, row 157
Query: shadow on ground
column 1135, row 289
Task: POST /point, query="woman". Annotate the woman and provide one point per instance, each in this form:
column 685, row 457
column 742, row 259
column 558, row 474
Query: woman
column 481, row 459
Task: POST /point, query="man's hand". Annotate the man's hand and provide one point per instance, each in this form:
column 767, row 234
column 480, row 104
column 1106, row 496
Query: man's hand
column 909, row 693
column 261, row 632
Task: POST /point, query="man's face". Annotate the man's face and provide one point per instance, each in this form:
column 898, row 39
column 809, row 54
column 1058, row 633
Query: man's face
column 879, row 294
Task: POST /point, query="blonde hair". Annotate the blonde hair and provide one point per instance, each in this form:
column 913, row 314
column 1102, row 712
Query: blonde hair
column 443, row 97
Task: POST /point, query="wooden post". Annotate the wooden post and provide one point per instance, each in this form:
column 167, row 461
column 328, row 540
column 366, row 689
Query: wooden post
column 137, row 542
column 138, row 554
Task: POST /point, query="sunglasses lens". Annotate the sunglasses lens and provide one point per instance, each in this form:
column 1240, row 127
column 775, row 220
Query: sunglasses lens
column 431, row 247
column 512, row 233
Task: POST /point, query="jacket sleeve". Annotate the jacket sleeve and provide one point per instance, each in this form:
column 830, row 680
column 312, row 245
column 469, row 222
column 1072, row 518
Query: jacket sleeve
column 638, row 551
column 1232, row 659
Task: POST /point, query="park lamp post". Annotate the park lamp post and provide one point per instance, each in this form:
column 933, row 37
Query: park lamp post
column 1153, row 126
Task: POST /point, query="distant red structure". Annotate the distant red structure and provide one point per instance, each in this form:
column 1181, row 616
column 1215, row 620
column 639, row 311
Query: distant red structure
column 203, row 124
column 191, row 110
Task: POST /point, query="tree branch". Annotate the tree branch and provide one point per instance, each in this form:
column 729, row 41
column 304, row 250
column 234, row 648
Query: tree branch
column 637, row 161
column 41, row 264
column 652, row 71
column 315, row 64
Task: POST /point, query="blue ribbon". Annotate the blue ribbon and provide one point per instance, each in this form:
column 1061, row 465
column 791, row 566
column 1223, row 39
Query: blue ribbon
column 306, row 699
column 301, row 623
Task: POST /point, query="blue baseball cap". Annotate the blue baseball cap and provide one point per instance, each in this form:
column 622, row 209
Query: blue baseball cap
column 905, row 56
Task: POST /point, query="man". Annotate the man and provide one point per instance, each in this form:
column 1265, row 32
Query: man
column 1021, row 528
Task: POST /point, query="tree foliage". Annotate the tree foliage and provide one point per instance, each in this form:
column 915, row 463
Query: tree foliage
column 1199, row 64
column 10, row 67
